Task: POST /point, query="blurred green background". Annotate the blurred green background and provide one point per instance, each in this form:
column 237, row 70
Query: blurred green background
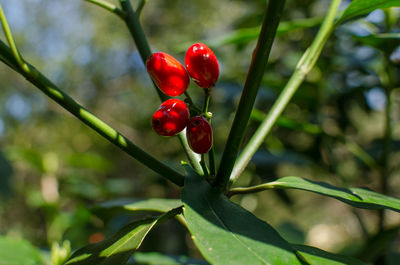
column 53, row 169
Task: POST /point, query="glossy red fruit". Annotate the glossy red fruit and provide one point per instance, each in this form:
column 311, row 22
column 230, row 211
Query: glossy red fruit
column 199, row 134
column 171, row 117
column 202, row 65
column 168, row 73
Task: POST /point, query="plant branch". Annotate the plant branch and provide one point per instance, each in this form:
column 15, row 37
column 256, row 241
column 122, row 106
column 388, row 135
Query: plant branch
column 388, row 137
column 133, row 24
column 108, row 6
column 252, row 189
column 256, row 71
column 140, row 6
column 304, row 66
column 11, row 42
column 68, row 103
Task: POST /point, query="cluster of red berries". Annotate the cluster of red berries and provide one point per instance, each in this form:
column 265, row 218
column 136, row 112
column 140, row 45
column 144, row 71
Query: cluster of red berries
column 173, row 79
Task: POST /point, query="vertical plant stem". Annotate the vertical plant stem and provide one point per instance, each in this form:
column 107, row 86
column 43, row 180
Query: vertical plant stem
column 304, row 66
column 256, row 71
column 143, row 47
column 387, row 142
column 388, row 83
column 211, row 158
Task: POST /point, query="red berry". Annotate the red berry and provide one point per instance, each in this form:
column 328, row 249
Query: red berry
column 199, row 134
column 168, row 73
column 171, row 117
column 202, row 65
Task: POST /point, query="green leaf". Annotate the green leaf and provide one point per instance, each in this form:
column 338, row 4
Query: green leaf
column 154, row 258
column 18, row 252
column 118, row 248
column 363, row 7
column 225, row 233
column 138, row 205
column 385, row 42
column 317, row 256
column 357, row 197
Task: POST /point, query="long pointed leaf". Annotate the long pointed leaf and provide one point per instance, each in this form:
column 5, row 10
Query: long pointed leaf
column 137, row 205
column 362, row 7
column 225, row 233
column 357, row 197
column 118, row 248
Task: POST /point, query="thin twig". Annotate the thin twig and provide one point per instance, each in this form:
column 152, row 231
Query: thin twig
column 108, row 6
column 140, row 6
column 11, row 42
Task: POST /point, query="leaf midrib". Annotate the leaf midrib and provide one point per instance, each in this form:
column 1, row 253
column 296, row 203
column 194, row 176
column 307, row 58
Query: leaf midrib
column 129, row 238
column 357, row 12
column 234, row 235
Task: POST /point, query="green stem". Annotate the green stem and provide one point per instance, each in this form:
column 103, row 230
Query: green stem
column 206, row 103
column 63, row 99
column 204, row 165
column 304, row 66
column 387, row 142
column 211, row 158
column 108, row 6
column 191, row 103
column 211, row 153
column 140, row 6
column 252, row 189
column 10, row 39
column 133, row 24
column 193, row 159
column 256, row 71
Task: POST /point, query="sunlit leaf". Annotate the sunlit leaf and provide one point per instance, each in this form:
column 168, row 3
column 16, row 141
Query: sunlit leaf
column 225, row 233
column 138, row 205
column 118, row 248
column 18, row 252
column 363, row 7
column 357, row 197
